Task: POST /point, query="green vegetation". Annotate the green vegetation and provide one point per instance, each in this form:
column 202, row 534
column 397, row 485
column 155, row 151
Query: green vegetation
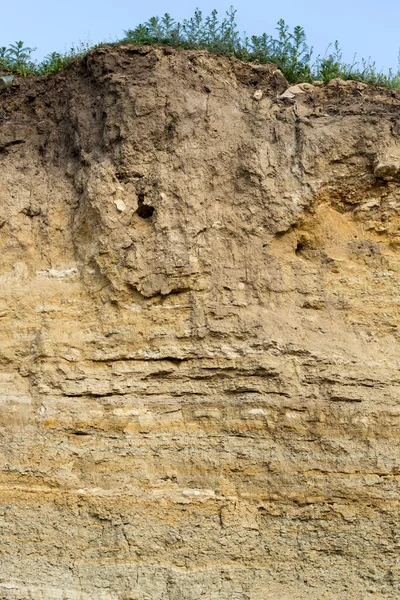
column 16, row 58
column 288, row 49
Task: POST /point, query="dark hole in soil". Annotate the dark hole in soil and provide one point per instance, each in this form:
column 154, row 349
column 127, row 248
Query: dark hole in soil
column 301, row 246
column 145, row 211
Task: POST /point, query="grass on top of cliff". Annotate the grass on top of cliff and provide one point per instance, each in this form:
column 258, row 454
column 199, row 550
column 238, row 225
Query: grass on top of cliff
column 289, row 50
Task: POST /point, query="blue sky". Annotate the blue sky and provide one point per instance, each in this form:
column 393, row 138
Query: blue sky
column 370, row 29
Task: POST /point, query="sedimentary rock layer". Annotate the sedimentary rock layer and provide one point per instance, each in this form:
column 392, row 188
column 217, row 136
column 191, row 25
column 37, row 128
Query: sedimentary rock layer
column 199, row 341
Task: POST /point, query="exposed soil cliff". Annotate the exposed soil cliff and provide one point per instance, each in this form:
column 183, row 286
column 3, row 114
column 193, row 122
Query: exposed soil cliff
column 199, row 342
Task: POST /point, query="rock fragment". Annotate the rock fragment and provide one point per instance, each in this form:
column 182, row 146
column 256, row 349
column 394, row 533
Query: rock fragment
column 296, row 90
column 120, row 204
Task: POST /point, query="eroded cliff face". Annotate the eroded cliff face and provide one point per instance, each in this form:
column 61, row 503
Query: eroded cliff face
column 199, row 342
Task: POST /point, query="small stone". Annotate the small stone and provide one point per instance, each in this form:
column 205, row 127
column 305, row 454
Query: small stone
column 295, row 90
column 258, row 95
column 305, row 121
column 388, row 170
column 306, row 87
column 120, row 204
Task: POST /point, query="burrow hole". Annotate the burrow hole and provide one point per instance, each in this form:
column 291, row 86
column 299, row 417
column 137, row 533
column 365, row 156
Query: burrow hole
column 145, row 211
column 300, row 247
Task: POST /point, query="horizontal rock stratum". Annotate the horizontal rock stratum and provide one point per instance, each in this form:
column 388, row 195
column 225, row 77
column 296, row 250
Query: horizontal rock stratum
column 199, row 341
